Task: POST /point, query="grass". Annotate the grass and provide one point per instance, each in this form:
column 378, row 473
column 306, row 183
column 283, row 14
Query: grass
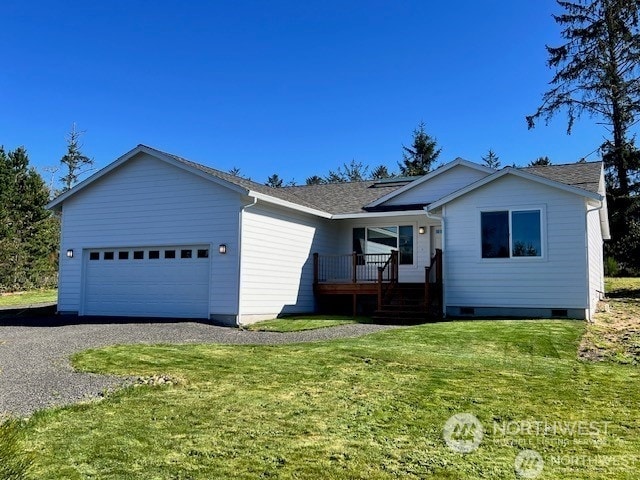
column 24, row 299
column 615, row 333
column 300, row 323
column 366, row 408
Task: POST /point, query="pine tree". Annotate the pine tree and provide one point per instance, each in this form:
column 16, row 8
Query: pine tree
column 274, row 181
column 74, row 160
column 28, row 232
column 540, row 162
column 380, row 172
column 418, row 159
column 597, row 71
column 315, row 180
column 491, row 160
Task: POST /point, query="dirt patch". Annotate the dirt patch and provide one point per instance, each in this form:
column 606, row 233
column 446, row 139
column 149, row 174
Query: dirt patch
column 615, row 333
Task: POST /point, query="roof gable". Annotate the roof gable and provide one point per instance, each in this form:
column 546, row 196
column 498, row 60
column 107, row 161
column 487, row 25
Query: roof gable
column 396, row 197
column 584, row 178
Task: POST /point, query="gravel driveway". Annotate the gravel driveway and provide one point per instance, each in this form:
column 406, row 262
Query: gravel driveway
column 34, row 360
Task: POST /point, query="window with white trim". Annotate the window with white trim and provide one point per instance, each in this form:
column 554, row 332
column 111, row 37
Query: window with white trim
column 511, row 233
column 385, row 240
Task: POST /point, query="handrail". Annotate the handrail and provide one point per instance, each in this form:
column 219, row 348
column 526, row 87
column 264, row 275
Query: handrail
column 354, row 267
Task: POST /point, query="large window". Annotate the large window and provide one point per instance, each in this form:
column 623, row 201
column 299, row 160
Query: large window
column 507, row 234
column 385, row 240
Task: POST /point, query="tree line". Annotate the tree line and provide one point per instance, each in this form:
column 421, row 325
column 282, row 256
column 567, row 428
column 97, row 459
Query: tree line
column 596, row 72
column 29, row 233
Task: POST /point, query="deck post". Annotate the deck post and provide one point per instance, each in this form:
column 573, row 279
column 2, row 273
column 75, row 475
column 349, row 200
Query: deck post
column 427, row 275
column 316, row 264
column 354, row 266
column 379, row 288
column 438, row 265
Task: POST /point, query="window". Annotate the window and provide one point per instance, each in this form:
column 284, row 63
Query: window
column 203, row 253
column 123, row 255
column 185, row 253
column 94, row 256
column 138, row 255
column 371, row 240
column 511, row 234
column 154, row 254
column 108, row 255
column 169, row 254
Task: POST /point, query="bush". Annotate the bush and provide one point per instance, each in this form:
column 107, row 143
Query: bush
column 14, row 462
column 611, row 267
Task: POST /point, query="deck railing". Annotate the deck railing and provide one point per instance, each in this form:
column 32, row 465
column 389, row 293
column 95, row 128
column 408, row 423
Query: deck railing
column 355, row 268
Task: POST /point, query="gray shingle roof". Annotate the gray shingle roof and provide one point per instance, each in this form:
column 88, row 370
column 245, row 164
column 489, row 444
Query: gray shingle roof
column 351, row 197
column 584, row 175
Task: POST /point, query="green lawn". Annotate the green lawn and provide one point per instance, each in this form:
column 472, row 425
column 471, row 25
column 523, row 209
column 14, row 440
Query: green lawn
column 29, row 298
column 366, row 408
column 300, row 323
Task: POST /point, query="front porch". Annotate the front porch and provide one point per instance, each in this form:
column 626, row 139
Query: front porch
column 375, row 276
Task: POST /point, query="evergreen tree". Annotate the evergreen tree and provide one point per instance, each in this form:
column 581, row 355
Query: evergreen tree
column 380, row 172
column 28, row 232
column 597, row 71
column 75, row 161
column 491, row 160
column 418, row 159
column 540, row 162
column 315, row 180
column 348, row 172
column 274, row 181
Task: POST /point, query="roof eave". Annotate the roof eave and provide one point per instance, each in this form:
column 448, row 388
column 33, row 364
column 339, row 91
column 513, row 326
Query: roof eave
column 56, row 203
column 287, row 204
column 518, row 173
column 429, row 176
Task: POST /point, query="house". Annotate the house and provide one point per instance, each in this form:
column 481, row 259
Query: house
column 155, row 235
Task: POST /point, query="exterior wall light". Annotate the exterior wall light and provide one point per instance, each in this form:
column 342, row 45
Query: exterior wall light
column 70, row 253
column 421, row 230
column 222, row 249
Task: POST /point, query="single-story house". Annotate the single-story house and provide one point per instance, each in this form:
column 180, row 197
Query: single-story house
column 155, row 235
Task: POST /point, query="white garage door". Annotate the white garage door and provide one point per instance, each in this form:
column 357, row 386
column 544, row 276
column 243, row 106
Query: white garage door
column 147, row 282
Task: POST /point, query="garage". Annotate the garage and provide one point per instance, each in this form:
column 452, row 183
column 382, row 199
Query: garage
column 167, row 281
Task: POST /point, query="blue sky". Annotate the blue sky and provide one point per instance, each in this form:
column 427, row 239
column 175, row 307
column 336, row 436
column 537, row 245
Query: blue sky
column 288, row 87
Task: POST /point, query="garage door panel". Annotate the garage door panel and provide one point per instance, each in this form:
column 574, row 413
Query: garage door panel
column 147, row 286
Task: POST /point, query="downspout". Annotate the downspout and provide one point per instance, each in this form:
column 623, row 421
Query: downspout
column 440, row 218
column 586, row 223
column 240, row 271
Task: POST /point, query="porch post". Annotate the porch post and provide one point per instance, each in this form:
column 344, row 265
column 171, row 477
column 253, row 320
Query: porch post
column 315, row 268
column 354, row 265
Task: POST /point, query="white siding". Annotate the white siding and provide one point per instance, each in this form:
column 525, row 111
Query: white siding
column 437, row 187
column 421, row 248
column 148, row 202
column 277, row 263
column 596, row 267
column 556, row 281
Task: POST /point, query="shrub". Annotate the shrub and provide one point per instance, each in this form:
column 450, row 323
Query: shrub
column 611, row 267
column 15, row 463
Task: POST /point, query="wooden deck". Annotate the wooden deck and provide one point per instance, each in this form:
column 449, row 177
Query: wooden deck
column 376, row 275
